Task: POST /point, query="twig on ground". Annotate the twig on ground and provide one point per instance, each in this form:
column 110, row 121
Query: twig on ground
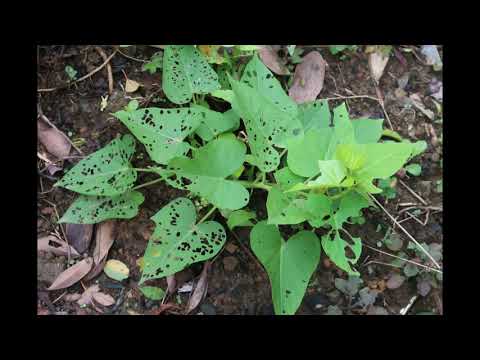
column 433, row 208
column 58, row 298
column 94, row 71
column 381, row 263
column 109, row 69
column 409, row 305
column 131, row 57
column 412, row 192
column 406, row 232
column 400, row 258
column 415, row 218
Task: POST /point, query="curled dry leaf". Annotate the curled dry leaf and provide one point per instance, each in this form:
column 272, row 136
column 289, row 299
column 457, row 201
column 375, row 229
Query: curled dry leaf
column 417, row 102
column 200, row 290
column 308, row 78
column 104, row 237
column 54, row 141
column 72, row 297
column 131, row 86
column 271, row 60
column 72, row 274
column 96, row 269
column 79, row 236
column 103, row 299
column 377, row 62
column 62, row 250
column 86, row 297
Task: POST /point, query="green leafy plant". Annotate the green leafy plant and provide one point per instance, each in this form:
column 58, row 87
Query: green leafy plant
column 155, row 63
column 321, row 168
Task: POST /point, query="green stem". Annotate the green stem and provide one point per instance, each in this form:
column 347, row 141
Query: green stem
column 283, row 152
column 145, row 170
column 147, row 184
column 249, row 184
column 207, row 215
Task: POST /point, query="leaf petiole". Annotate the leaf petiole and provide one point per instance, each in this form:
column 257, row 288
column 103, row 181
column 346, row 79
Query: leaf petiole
column 210, row 212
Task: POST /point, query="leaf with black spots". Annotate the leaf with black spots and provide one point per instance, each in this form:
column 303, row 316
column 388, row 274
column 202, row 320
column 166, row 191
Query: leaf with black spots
column 106, row 172
column 95, row 209
column 178, row 241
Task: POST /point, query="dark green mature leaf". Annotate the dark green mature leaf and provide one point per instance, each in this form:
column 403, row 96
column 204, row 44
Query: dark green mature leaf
column 162, row 131
column 186, row 72
column 178, row 242
column 95, row 209
column 106, row 172
column 259, row 77
column 289, row 264
column 285, row 208
column 205, row 174
column 266, row 122
column 214, row 123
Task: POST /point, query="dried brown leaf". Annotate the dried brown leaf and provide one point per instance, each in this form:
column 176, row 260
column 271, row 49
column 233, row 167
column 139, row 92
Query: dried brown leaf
column 417, row 102
column 104, row 237
column 86, row 297
column 62, row 250
column 377, row 62
column 72, row 297
column 72, row 274
column 271, row 60
column 200, row 290
column 96, row 270
column 131, row 86
column 53, row 140
column 79, row 236
column 52, row 169
column 395, row 281
column 103, row 299
column 308, row 78
column 171, row 284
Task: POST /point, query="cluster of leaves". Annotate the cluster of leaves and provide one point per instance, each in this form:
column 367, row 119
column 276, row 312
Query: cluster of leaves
column 325, row 179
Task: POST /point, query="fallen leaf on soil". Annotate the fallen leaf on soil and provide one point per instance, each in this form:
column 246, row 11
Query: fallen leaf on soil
column 308, row 78
column 116, row 270
column 171, row 284
column 72, row 274
column 200, row 290
column 79, row 236
column 131, row 86
column 395, row 281
column 436, row 89
column 377, row 310
column 103, row 299
column 72, row 297
column 432, row 57
column 62, row 250
column 104, row 237
column 53, row 140
column 96, row 270
column 367, row 297
column 417, row 102
column 164, row 307
column 350, row 286
column 271, row 60
column 52, row 169
column 377, row 62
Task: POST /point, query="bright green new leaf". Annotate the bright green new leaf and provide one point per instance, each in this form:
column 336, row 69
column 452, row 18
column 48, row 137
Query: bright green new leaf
column 285, row 208
column 214, row 123
column 383, row 160
column 240, row 218
column 392, row 134
column 156, row 62
column 332, row 174
column 178, row 242
column 353, row 156
column 417, row 147
column 162, row 131
column 289, row 264
column 106, row 172
column 95, row 209
column 367, row 130
column 247, row 47
column 205, row 174
column 186, row 72
column 152, row 292
column 413, row 169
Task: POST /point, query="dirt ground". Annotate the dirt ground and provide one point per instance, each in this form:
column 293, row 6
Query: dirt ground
column 237, row 284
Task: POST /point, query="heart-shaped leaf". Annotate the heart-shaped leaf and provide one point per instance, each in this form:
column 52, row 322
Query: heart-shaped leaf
column 240, row 218
column 178, row 242
column 95, row 209
column 289, row 264
column 186, row 72
column 106, row 172
column 205, row 174
column 285, row 208
column 162, row 131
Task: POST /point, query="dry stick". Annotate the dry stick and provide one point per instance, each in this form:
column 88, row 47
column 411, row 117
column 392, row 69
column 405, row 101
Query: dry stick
column 406, row 232
column 94, row 71
column 44, row 118
column 109, row 69
column 406, row 260
column 433, row 208
column 131, row 57
column 58, row 298
column 413, row 192
column 381, row 263
column 415, row 218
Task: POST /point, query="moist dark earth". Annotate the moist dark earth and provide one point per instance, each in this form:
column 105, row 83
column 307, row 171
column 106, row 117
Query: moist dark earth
column 237, row 283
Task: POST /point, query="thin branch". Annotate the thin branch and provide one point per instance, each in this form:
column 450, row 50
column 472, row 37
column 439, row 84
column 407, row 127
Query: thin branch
column 406, row 232
column 94, row 71
column 412, row 192
column 109, row 69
